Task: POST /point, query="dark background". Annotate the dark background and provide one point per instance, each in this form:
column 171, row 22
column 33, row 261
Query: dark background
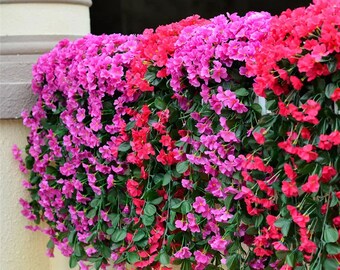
column 133, row 16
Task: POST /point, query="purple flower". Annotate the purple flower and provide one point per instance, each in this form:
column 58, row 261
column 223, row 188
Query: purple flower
column 183, row 253
column 200, row 205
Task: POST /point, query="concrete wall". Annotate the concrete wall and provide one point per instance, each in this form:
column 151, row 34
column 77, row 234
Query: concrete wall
column 20, row 249
column 27, row 29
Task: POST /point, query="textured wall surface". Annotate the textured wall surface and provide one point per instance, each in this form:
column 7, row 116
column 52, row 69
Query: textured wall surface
column 44, row 19
column 20, row 249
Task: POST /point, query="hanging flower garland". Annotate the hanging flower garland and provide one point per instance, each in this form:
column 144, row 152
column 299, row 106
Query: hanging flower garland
column 150, row 150
column 297, row 69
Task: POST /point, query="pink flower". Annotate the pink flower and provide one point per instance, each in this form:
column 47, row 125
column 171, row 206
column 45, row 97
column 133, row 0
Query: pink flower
column 183, row 253
column 218, row 243
column 110, row 181
column 202, row 258
column 219, row 72
column 221, row 215
column 279, row 246
column 90, row 251
column 187, row 184
column 180, row 224
column 200, row 205
column 193, row 227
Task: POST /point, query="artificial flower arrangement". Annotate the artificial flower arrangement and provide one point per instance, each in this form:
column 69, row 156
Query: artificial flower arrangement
column 150, row 150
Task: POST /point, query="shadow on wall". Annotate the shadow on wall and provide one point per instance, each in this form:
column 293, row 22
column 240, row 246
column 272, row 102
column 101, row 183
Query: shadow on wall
column 133, row 16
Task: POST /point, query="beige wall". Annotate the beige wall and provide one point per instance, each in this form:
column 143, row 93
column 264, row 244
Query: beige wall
column 20, row 249
column 44, row 19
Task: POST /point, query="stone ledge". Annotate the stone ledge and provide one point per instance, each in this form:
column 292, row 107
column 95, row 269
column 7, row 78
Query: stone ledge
column 13, row 45
column 14, row 99
column 17, row 56
column 87, row 3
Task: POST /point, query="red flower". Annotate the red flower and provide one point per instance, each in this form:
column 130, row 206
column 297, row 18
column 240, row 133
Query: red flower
column 166, row 158
column 305, row 133
column 283, row 110
column 132, row 188
column 327, row 174
column 324, row 208
column 290, row 189
column 336, row 95
column 307, row 245
column 143, row 118
column 259, row 137
column 139, row 205
column 307, row 154
column 336, row 221
column 286, row 267
column 312, row 184
column 166, row 141
column 325, row 142
column 300, row 220
column 296, row 82
column 289, row 172
column 335, row 137
column 288, row 147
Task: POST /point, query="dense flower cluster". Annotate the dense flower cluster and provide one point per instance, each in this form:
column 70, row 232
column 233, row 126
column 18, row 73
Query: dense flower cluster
column 151, row 150
column 297, row 69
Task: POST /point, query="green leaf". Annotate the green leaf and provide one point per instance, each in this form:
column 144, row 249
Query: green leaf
column 291, row 259
column 148, row 220
column 95, row 202
column 252, row 231
column 233, row 262
column 307, row 168
column 160, row 104
column 72, row 237
column 132, row 257
column 330, row 264
column 271, row 104
column 98, row 263
column 176, row 204
column 130, row 125
column 330, row 234
column 124, row 147
column 334, row 201
column 118, row 235
column 331, row 65
column 78, row 250
column 73, row 261
column 186, row 265
column 333, row 249
column 139, row 236
column 241, row 92
column 50, row 244
column 29, row 161
column 51, row 170
column 186, row 207
column 166, row 180
column 115, row 218
column 150, row 75
column 149, row 209
column 106, row 251
column 157, row 200
column 182, row 167
column 110, row 231
column 284, row 224
column 258, row 220
column 257, row 108
column 164, row 258
column 330, row 89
